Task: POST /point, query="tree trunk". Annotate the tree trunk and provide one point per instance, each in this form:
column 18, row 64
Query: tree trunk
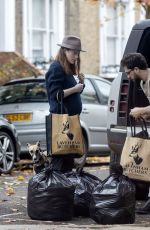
column 148, row 12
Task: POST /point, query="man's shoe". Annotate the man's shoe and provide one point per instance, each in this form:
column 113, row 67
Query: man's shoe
column 145, row 209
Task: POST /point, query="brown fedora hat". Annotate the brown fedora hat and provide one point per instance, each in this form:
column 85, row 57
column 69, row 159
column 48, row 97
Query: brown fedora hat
column 72, row 42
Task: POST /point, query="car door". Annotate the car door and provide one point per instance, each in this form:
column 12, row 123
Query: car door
column 94, row 113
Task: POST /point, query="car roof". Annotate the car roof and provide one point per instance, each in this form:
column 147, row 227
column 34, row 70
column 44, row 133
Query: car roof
column 42, row 77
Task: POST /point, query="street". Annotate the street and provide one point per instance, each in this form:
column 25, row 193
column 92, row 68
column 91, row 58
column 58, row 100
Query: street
column 13, row 207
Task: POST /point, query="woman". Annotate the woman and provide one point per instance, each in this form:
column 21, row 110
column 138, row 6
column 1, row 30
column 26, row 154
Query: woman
column 59, row 78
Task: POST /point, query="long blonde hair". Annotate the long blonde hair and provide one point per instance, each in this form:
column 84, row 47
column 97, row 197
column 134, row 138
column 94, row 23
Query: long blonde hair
column 68, row 68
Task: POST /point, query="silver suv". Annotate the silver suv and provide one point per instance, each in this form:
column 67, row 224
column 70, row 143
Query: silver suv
column 24, row 102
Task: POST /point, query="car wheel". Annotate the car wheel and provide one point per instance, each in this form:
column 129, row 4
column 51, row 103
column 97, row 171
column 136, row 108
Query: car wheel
column 80, row 162
column 7, row 153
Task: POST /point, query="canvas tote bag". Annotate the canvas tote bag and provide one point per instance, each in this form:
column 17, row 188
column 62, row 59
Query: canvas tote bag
column 64, row 134
column 135, row 157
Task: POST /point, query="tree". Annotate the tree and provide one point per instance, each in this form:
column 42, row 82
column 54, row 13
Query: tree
column 144, row 3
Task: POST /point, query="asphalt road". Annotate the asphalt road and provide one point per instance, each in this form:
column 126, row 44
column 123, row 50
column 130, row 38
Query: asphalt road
column 13, row 206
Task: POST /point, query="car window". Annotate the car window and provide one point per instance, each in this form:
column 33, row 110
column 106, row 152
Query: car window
column 104, row 88
column 89, row 95
column 23, row 92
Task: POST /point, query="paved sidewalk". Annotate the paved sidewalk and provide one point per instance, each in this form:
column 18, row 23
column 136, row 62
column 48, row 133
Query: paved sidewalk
column 13, row 207
column 73, row 227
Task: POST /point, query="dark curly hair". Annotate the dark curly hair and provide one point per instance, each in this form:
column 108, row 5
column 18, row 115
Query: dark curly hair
column 133, row 60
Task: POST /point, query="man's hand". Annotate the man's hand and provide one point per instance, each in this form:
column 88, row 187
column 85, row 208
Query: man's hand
column 138, row 112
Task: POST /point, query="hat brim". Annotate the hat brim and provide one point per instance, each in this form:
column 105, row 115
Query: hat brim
column 70, row 47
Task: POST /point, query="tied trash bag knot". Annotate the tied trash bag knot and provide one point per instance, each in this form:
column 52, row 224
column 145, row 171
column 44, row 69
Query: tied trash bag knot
column 84, row 184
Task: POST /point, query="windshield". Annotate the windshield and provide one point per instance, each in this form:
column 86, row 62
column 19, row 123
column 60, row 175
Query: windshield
column 23, row 92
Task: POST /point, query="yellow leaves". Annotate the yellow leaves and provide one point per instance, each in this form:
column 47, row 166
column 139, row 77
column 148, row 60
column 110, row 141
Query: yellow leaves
column 105, row 159
column 9, row 190
column 20, row 178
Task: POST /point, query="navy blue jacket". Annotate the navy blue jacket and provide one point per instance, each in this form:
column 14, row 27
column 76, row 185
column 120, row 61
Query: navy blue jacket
column 57, row 79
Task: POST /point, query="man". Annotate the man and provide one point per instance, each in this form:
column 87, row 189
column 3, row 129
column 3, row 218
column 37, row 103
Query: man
column 136, row 67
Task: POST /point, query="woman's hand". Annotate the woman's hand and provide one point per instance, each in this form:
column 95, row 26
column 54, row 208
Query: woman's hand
column 75, row 89
column 78, row 87
column 81, row 78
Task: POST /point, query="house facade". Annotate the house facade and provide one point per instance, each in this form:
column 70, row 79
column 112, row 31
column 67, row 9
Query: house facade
column 34, row 27
column 104, row 30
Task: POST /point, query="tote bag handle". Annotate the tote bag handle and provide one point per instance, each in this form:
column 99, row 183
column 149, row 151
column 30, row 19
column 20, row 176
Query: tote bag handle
column 142, row 125
column 60, row 97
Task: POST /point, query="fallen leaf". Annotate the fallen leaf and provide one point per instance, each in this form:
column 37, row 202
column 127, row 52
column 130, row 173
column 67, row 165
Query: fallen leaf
column 14, row 210
column 9, row 191
column 9, row 221
column 20, row 178
column 8, row 183
column 18, row 183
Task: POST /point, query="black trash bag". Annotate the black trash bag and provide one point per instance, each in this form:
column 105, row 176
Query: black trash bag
column 84, row 184
column 50, row 196
column 113, row 202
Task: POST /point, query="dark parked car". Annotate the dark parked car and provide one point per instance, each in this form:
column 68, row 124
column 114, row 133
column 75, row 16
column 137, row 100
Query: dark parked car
column 9, row 146
column 24, row 102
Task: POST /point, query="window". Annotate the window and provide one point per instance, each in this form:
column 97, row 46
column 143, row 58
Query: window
column 89, row 95
column 21, row 92
column 104, row 89
column 113, row 35
column 43, row 26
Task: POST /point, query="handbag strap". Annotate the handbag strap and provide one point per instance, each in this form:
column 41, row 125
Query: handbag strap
column 60, row 97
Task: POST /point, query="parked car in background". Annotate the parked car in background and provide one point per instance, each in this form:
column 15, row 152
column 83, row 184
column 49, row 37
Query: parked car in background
column 9, row 146
column 24, row 102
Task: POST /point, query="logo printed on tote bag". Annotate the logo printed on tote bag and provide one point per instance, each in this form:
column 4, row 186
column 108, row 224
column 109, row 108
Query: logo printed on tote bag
column 66, row 131
column 134, row 153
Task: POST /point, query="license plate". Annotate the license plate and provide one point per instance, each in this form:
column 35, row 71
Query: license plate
column 18, row 117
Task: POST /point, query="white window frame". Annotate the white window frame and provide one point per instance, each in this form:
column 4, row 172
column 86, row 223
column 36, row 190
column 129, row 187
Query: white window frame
column 57, row 30
column 7, row 25
column 104, row 52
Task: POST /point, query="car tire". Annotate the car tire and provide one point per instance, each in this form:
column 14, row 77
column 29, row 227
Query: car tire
column 7, row 153
column 80, row 162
